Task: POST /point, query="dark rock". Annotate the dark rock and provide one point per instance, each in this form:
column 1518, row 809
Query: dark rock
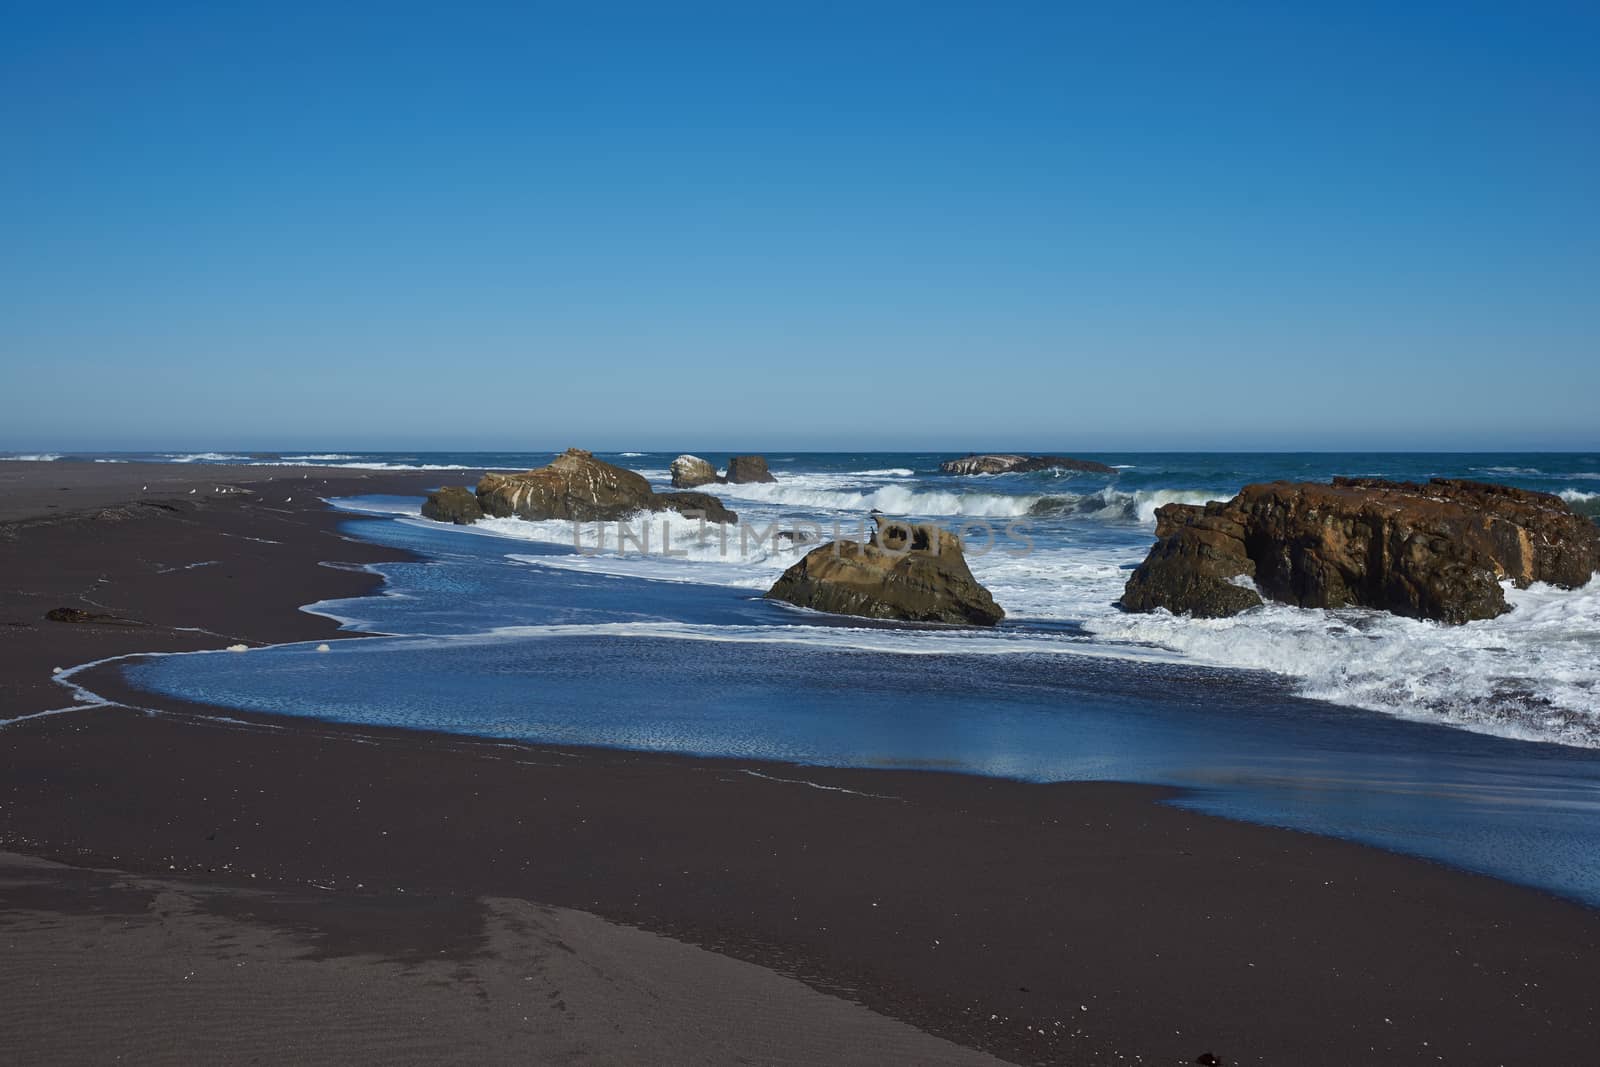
column 1207, row 1059
column 1435, row 551
column 452, row 503
column 579, row 487
column 906, row 572
column 691, row 503
column 742, row 469
column 1190, row 570
column 998, row 463
column 691, row 471
column 78, row 615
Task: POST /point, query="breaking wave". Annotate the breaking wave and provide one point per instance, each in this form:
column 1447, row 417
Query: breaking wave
column 833, row 494
column 1117, row 506
column 1532, row 674
column 1583, row 503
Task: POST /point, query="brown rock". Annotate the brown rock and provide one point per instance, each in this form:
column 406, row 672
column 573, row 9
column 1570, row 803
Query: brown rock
column 906, row 572
column 743, row 469
column 1435, row 551
column 577, row 486
column 452, row 503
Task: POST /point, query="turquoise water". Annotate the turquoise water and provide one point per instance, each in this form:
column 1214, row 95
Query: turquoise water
column 1478, row 746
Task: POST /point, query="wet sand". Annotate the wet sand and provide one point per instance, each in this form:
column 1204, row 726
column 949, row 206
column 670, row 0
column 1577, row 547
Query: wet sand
column 388, row 890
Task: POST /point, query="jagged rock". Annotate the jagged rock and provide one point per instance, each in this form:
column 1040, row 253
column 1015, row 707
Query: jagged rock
column 1435, row 551
column 906, row 572
column 742, row 469
column 452, row 503
column 996, row 463
column 577, row 486
column 691, row 471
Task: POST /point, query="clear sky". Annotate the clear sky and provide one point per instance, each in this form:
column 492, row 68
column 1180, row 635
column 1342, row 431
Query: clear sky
column 799, row 225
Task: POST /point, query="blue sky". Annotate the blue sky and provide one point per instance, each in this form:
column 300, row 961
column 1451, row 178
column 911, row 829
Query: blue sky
column 850, row 225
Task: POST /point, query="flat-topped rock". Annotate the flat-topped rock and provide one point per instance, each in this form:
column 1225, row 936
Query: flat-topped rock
column 905, row 572
column 1009, row 463
column 1430, row 551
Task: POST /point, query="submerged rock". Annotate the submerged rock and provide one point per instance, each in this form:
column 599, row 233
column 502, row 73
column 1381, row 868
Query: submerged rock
column 1435, row 551
column 691, row 471
column 452, row 503
column 1006, row 463
column 577, row 486
column 743, row 469
column 906, row 572
column 79, row 616
column 690, row 503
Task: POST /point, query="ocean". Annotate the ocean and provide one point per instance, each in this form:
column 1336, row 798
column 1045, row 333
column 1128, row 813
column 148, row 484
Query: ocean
column 1477, row 745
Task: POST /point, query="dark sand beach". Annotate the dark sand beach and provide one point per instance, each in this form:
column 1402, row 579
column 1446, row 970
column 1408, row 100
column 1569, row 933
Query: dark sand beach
column 181, row 882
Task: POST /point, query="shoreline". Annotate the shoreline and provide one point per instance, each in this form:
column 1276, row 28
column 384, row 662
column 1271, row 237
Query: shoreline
column 1087, row 919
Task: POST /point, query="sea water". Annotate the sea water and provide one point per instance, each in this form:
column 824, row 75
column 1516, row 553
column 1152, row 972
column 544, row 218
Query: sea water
column 1476, row 745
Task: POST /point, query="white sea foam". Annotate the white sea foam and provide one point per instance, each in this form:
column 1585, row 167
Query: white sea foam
column 203, row 457
column 33, row 457
column 913, row 642
column 1533, row 673
column 1114, row 505
column 1535, row 472
column 1582, row 502
column 372, row 465
column 835, row 493
column 663, row 546
column 397, row 506
column 1054, row 583
column 842, row 493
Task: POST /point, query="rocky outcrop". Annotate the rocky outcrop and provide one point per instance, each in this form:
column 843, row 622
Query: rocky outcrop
column 744, row 469
column 997, row 463
column 579, row 487
column 905, row 572
column 688, row 472
column 452, row 503
column 1434, row 551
